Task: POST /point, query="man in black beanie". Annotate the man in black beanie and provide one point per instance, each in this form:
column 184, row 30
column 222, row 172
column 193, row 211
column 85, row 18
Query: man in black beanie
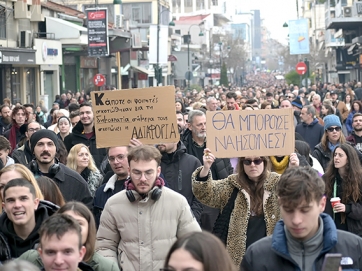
column 44, row 145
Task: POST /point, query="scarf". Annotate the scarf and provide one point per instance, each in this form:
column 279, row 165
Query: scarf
column 279, row 167
column 332, row 147
column 13, row 136
column 221, row 226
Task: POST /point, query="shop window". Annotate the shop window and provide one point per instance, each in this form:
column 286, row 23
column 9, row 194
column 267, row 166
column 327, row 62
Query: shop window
column 15, row 85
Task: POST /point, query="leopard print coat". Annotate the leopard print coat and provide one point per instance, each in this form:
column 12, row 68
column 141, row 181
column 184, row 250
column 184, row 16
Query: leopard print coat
column 217, row 193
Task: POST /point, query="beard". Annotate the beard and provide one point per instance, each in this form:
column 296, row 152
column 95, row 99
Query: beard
column 358, row 129
column 6, row 120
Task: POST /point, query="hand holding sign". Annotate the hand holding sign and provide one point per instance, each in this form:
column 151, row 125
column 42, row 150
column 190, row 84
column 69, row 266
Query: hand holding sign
column 293, row 160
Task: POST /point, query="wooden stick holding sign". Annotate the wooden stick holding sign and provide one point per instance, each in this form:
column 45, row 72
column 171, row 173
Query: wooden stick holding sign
column 147, row 114
column 237, row 133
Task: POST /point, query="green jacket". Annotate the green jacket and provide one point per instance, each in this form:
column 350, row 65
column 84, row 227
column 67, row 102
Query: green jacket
column 98, row 263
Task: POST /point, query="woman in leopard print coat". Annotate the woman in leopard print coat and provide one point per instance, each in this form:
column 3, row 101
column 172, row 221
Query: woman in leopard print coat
column 247, row 200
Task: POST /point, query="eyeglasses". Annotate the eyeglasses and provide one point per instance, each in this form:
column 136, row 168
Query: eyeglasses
column 33, row 130
column 331, row 129
column 119, row 158
column 247, row 162
column 290, row 96
column 138, row 174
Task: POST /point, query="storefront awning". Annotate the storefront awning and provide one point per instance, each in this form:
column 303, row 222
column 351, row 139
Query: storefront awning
column 67, row 32
column 140, row 69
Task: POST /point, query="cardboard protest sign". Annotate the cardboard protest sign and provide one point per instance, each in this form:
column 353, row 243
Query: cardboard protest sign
column 147, row 114
column 237, row 133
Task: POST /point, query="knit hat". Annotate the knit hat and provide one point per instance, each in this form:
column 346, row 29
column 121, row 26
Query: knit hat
column 331, row 120
column 297, row 102
column 43, row 134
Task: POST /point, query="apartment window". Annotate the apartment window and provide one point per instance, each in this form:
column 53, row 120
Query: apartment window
column 139, row 12
column 188, row 3
column 215, row 2
column 2, row 22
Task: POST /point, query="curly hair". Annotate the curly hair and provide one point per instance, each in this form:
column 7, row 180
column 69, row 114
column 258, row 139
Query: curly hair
column 351, row 184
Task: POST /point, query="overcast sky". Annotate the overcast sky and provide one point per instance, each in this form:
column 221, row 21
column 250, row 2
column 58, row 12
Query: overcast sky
column 275, row 13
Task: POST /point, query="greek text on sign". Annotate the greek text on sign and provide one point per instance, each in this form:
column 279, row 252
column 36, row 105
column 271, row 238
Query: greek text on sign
column 147, row 114
column 238, row 133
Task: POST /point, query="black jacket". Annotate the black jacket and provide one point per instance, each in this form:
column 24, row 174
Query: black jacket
column 12, row 246
column 3, row 127
column 177, row 169
column 271, row 253
column 77, row 137
column 72, row 186
column 324, row 157
column 23, row 155
column 220, row 169
column 312, row 133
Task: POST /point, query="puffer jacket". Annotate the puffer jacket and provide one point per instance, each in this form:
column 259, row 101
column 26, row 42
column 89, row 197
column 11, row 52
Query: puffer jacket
column 271, row 253
column 139, row 234
column 77, row 136
column 217, row 193
column 97, row 262
column 11, row 245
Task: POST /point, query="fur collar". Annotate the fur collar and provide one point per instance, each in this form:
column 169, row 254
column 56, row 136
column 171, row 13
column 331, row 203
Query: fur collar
column 111, row 183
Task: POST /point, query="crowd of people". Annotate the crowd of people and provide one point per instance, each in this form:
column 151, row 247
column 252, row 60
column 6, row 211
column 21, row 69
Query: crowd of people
column 68, row 205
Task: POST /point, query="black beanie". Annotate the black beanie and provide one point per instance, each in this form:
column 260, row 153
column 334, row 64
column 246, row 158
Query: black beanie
column 44, row 133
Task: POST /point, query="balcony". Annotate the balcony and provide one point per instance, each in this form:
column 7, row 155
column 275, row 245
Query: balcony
column 344, row 17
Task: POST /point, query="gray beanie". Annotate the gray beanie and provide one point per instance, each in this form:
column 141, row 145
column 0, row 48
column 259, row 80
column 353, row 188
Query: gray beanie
column 44, row 133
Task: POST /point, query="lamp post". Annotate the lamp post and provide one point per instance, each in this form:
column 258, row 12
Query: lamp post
column 188, row 50
column 156, row 67
column 220, row 44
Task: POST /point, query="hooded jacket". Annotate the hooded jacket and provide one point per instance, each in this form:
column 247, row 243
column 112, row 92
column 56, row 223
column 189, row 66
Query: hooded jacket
column 312, row 133
column 77, row 136
column 273, row 250
column 139, row 234
column 12, row 246
column 177, row 169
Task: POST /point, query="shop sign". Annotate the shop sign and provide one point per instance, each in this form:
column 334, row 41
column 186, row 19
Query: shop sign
column 16, row 57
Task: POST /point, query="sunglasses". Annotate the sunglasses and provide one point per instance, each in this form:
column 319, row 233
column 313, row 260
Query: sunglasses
column 331, row 129
column 247, row 162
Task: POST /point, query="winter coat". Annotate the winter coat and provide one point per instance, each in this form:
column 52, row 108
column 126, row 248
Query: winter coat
column 20, row 154
column 139, row 234
column 3, row 127
column 77, row 136
column 11, row 245
column 178, row 169
column 324, row 157
column 353, row 210
column 72, row 185
column 93, row 178
column 217, row 193
column 103, row 193
column 312, row 133
column 98, row 263
column 271, row 253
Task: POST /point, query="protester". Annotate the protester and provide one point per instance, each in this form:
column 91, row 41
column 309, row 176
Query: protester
column 245, row 217
column 5, row 149
column 84, row 217
column 343, row 180
column 198, row 251
column 81, row 160
column 64, row 127
column 50, row 191
column 305, row 235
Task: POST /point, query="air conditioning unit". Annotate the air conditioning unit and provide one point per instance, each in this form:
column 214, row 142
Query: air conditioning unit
column 118, row 20
column 25, row 39
column 347, row 11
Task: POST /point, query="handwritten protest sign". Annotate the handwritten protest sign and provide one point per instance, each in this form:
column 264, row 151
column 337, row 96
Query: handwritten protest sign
column 237, row 133
column 147, row 114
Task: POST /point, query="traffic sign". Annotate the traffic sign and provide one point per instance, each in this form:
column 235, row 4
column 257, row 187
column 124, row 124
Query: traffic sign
column 99, row 80
column 189, row 76
column 301, row 68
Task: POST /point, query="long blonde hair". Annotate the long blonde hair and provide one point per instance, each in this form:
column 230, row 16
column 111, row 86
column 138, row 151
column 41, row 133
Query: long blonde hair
column 27, row 175
column 72, row 158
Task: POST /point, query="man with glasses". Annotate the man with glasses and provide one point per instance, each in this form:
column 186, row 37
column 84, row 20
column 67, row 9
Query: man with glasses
column 139, row 224
column 117, row 158
column 23, row 154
